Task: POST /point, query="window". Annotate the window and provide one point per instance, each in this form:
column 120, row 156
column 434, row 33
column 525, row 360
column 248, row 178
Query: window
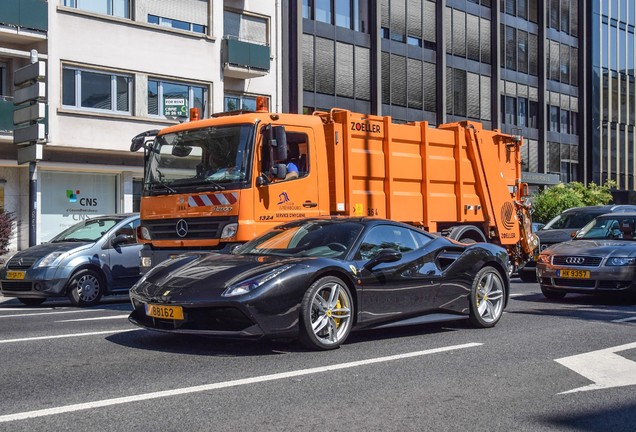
column 390, row 237
column 248, row 28
column 323, row 11
column 233, row 102
column 553, row 124
column 94, row 90
column 172, row 99
column 173, row 23
column 118, row 8
column 343, row 13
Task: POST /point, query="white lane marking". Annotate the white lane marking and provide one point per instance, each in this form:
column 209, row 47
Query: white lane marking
column 95, row 319
column 46, row 313
column 624, row 320
column 604, row 368
column 518, row 295
column 70, row 335
column 221, row 385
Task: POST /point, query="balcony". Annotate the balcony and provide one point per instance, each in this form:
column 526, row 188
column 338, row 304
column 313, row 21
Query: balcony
column 23, row 22
column 245, row 60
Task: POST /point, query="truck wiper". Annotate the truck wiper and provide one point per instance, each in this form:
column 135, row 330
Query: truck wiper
column 160, row 184
column 207, row 182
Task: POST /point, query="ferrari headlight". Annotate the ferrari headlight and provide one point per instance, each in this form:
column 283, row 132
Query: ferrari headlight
column 245, row 286
column 50, row 259
column 621, row 261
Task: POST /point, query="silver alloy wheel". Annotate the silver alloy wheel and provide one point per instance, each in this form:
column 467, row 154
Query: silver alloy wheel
column 331, row 313
column 490, row 297
column 88, row 288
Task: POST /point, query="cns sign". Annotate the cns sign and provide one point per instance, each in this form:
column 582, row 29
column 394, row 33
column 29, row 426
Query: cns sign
column 175, row 107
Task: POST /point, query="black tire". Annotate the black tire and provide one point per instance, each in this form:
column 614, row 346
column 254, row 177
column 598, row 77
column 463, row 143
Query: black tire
column 85, row 288
column 527, row 276
column 487, row 298
column 31, row 301
column 552, row 294
column 326, row 314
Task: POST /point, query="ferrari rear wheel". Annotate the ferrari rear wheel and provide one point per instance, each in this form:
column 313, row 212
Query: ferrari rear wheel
column 326, row 314
column 487, row 298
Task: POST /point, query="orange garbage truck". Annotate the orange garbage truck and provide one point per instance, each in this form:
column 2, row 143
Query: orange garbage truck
column 212, row 183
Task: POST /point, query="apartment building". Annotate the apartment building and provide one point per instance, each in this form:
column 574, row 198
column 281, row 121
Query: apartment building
column 114, row 69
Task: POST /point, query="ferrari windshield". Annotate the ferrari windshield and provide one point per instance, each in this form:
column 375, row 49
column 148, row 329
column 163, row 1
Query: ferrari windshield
column 208, row 158
column 305, row 238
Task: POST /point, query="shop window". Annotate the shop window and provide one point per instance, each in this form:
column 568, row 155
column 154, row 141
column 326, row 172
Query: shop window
column 92, row 90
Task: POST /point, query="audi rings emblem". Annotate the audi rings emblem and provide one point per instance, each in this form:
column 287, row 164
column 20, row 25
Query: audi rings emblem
column 574, row 260
column 182, row 228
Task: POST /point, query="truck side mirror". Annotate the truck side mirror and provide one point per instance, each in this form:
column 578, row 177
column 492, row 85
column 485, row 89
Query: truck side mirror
column 142, row 140
column 280, row 138
column 279, row 171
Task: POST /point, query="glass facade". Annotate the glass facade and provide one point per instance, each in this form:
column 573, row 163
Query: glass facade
column 613, row 92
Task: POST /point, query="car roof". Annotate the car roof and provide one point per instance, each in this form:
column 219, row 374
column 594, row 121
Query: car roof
column 602, row 209
column 618, row 215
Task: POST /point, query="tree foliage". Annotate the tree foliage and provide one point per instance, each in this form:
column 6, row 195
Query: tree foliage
column 551, row 201
column 6, row 229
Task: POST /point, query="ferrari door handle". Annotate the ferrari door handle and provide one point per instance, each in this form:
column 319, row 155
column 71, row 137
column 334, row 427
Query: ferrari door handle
column 310, row 204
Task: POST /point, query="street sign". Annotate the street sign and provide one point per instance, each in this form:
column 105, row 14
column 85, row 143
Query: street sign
column 34, row 132
column 34, row 91
column 30, row 153
column 29, row 113
column 33, row 72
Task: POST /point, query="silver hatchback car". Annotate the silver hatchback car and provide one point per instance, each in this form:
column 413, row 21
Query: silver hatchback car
column 96, row 257
column 601, row 258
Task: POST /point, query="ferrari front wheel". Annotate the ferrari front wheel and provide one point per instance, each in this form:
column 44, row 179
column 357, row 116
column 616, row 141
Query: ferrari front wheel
column 326, row 314
column 487, row 298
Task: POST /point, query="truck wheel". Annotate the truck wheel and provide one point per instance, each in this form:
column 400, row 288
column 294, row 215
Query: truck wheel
column 326, row 314
column 85, row 288
column 487, row 298
column 31, row 301
column 552, row 294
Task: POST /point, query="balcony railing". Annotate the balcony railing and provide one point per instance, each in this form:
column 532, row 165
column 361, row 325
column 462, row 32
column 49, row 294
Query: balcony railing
column 29, row 14
column 245, row 59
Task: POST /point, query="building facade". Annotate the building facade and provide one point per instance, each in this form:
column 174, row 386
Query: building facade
column 514, row 65
column 114, row 69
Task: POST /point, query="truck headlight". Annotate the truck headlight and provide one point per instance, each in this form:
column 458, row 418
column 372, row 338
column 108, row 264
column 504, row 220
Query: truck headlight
column 229, row 230
column 145, row 233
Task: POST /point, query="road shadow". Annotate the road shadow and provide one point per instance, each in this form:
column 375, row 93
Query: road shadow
column 617, row 419
column 200, row 345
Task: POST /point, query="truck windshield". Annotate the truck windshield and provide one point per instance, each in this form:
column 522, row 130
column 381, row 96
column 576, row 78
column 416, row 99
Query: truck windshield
column 214, row 158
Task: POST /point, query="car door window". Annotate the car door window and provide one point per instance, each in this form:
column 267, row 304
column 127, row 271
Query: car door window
column 390, row 237
column 130, row 230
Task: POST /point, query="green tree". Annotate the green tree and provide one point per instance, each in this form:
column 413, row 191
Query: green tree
column 6, row 229
column 553, row 200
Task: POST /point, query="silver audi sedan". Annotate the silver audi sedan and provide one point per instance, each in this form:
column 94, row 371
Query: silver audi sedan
column 600, row 259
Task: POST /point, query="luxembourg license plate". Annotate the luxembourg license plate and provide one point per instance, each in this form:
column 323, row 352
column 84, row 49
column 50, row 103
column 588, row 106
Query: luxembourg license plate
column 573, row 274
column 15, row 275
column 164, row 312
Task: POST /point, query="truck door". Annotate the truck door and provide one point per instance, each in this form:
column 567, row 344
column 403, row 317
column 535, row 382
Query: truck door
column 296, row 196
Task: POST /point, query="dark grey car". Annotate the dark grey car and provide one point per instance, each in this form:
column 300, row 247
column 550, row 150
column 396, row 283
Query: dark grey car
column 99, row 256
column 600, row 259
column 564, row 226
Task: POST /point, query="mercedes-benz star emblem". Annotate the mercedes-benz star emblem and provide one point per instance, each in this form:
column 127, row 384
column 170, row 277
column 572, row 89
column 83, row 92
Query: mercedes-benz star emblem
column 574, row 260
column 182, row 228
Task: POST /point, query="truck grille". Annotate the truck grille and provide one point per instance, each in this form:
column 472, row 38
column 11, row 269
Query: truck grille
column 197, row 228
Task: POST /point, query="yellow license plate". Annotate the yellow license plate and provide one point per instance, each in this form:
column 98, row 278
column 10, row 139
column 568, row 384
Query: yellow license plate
column 573, row 274
column 164, row 312
column 15, row 275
